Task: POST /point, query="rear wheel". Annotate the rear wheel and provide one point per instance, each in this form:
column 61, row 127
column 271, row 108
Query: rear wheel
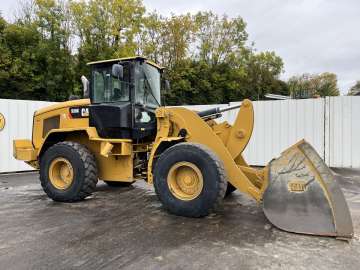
column 68, row 172
column 190, row 180
column 118, row 184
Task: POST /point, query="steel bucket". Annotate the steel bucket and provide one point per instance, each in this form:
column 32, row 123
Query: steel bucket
column 303, row 196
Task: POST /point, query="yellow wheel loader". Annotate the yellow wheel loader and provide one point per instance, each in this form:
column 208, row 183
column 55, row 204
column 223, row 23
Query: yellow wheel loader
column 120, row 133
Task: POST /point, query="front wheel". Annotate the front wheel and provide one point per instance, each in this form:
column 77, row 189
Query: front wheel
column 190, row 180
column 68, row 172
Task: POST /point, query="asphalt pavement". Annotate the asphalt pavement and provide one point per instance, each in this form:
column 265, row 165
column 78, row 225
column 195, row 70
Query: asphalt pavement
column 127, row 228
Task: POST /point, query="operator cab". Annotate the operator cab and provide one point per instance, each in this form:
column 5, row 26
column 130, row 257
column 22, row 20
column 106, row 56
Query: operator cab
column 124, row 95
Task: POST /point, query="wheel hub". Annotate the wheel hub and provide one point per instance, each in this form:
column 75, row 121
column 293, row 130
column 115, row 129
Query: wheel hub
column 61, row 173
column 185, row 181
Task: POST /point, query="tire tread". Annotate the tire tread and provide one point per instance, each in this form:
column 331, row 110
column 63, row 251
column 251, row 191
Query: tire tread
column 90, row 173
column 219, row 166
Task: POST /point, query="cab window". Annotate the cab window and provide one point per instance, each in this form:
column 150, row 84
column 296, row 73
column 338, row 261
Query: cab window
column 109, row 89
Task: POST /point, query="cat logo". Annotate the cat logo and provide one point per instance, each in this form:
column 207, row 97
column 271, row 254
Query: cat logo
column 2, row 121
column 297, row 186
column 79, row 112
column 85, row 112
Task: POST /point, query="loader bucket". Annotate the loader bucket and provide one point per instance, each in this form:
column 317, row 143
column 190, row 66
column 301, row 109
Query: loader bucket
column 303, row 196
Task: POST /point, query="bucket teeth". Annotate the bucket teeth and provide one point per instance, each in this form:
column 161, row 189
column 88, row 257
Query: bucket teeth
column 303, row 196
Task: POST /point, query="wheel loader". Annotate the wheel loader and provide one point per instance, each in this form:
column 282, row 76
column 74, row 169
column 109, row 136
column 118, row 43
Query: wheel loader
column 120, row 133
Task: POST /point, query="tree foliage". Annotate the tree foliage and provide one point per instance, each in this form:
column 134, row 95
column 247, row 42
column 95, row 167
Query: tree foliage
column 105, row 29
column 220, row 39
column 208, row 58
column 308, row 86
column 355, row 89
column 35, row 54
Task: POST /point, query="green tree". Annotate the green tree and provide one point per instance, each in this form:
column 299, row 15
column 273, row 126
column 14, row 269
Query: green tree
column 18, row 51
column 325, row 84
column 36, row 59
column 220, row 39
column 198, row 82
column 355, row 89
column 4, row 59
column 177, row 37
column 299, row 86
column 195, row 82
column 221, row 68
column 53, row 54
column 207, row 57
column 262, row 72
column 150, row 39
column 308, row 86
column 105, row 29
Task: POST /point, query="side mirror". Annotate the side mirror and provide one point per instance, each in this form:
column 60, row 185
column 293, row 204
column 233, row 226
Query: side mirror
column 167, row 85
column 117, row 71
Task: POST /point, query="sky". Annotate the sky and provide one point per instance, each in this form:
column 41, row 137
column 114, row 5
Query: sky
column 311, row 36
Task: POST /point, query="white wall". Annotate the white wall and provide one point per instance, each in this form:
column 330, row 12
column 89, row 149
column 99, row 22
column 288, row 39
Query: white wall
column 331, row 125
column 19, row 118
column 343, row 131
column 282, row 123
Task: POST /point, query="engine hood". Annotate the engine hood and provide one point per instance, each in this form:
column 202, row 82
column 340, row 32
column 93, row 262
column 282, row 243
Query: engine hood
column 60, row 105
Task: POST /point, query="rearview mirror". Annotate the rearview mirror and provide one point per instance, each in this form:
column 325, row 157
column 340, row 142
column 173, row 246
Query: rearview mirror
column 117, row 71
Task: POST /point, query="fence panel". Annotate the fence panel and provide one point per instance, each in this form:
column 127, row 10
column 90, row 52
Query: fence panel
column 18, row 125
column 281, row 123
column 343, row 131
column 331, row 125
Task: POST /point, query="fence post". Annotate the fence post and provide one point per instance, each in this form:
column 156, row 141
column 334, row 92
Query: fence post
column 327, row 131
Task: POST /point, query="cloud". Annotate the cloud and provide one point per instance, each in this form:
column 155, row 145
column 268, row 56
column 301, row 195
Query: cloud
column 311, row 36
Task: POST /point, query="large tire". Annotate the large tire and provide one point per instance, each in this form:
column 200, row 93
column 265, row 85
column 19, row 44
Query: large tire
column 118, row 184
column 83, row 168
column 212, row 174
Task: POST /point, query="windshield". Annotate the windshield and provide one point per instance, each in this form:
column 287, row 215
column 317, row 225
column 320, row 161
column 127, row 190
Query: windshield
column 147, row 85
column 107, row 88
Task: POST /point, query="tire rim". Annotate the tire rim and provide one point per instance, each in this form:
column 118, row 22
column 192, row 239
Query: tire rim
column 185, row 181
column 61, row 173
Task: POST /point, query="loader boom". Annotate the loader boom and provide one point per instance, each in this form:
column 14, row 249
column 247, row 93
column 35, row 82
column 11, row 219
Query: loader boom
column 171, row 121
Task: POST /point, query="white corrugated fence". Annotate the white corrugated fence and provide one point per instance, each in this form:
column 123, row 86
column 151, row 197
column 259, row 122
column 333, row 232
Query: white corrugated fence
column 280, row 124
column 331, row 125
column 342, row 130
column 18, row 125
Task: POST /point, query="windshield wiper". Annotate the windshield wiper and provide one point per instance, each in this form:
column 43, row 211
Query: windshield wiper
column 147, row 87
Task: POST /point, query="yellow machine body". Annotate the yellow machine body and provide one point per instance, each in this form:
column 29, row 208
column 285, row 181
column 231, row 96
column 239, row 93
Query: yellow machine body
column 227, row 141
column 115, row 160
column 115, row 156
column 54, row 123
